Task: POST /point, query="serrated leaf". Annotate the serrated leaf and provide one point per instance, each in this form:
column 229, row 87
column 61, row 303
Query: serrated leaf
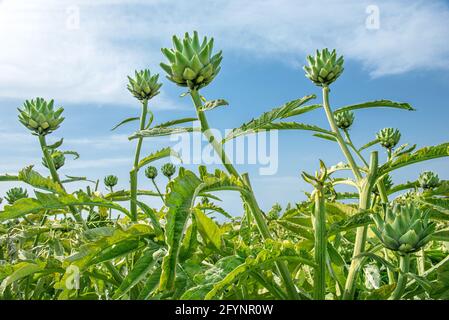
column 179, row 199
column 208, row 229
column 141, row 268
column 376, row 104
column 160, row 132
column 163, row 153
column 424, row 154
column 45, row 201
column 175, row 122
column 127, row 120
column 209, row 105
column 33, row 178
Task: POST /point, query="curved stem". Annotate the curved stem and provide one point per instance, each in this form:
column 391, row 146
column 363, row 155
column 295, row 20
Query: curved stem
column 158, row 191
column 344, row 148
column 55, row 176
column 135, row 169
column 404, row 264
column 249, row 198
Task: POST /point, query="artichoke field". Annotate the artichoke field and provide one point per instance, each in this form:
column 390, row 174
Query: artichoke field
column 384, row 239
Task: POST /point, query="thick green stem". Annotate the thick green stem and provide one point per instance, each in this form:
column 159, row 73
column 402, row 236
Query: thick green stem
column 360, row 239
column 55, row 177
column 320, row 247
column 421, row 262
column 404, row 264
column 344, row 148
column 249, row 198
column 135, row 170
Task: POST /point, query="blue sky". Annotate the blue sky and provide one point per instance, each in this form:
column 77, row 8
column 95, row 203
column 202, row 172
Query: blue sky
column 80, row 52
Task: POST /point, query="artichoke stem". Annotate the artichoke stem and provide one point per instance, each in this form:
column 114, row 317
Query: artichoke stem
column 135, row 169
column 320, row 247
column 248, row 197
column 404, row 264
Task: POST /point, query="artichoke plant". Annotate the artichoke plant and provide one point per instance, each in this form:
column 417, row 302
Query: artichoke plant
column 168, row 170
column 344, row 119
column 40, row 116
column 14, row 194
column 144, row 86
column 110, row 181
column 58, row 159
column 387, row 182
column 404, row 229
column 428, row 180
column 324, row 68
column 151, row 172
column 388, row 137
column 191, row 63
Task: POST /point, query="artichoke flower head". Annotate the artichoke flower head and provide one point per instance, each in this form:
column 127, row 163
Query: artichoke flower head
column 404, row 228
column 324, row 68
column 428, row 180
column 40, row 116
column 190, row 63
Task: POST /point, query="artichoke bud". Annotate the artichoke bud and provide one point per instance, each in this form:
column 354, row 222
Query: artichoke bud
column 324, row 68
column 191, row 63
column 58, row 159
column 168, row 170
column 144, row 86
column 428, row 180
column 404, row 228
column 344, row 119
column 14, row 194
column 110, row 181
column 388, row 137
column 40, row 116
column 151, row 172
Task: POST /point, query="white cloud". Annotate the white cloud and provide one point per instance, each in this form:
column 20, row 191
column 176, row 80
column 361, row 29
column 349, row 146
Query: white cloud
column 43, row 54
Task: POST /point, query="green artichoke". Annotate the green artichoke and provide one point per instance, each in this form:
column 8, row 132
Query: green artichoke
column 58, row 159
column 404, row 229
column 40, row 117
column 14, row 194
column 428, row 180
column 191, row 63
column 144, row 86
column 344, row 119
column 388, row 137
column 168, row 170
column 110, row 181
column 151, row 172
column 324, row 68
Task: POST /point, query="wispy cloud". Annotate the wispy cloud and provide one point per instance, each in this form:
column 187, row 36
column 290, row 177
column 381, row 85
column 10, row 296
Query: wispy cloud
column 47, row 52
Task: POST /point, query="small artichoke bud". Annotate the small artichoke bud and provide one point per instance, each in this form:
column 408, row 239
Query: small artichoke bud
column 110, row 181
column 324, row 68
column 428, row 180
column 144, row 86
column 388, row 137
column 58, row 160
column 191, row 63
column 151, row 172
column 344, row 119
column 405, row 228
column 14, row 194
column 40, row 117
column 168, row 170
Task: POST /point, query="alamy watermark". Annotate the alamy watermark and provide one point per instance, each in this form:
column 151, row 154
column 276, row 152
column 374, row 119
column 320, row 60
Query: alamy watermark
column 259, row 149
column 372, row 21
